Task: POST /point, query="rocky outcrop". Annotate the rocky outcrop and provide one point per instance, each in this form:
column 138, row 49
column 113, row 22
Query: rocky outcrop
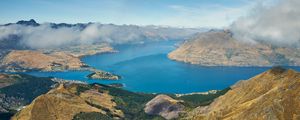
column 22, row 60
column 272, row 95
column 164, row 106
column 219, row 48
column 64, row 102
column 31, row 22
column 102, row 75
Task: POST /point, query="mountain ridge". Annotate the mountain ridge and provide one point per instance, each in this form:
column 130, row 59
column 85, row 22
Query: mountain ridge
column 269, row 95
column 219, row 48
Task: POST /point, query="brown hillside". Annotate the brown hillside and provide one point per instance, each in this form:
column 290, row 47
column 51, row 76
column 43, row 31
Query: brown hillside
column 272, row 95
column 219, row 48
column 63, row 103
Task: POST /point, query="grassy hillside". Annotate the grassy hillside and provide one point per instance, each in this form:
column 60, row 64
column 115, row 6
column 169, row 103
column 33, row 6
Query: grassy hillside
column 195, row 100
column 22, row 89
column 19, row 90
column 132, row 104
column 28, row 87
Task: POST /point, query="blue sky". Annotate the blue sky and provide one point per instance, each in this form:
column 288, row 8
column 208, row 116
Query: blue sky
column 182, row 13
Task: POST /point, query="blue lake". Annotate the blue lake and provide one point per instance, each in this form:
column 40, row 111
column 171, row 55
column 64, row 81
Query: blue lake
column 146, row 68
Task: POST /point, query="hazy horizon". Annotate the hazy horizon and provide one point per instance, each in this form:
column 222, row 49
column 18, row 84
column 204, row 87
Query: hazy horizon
column 175, row 13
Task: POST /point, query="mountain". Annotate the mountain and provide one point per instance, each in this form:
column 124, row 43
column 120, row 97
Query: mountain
column 81, row 102
column 52, row 105
column 31, row 22
column 67, row 58
column 18, row 90
column 22, row 60
column 272, row 95
column 24, row 40
column 219, row 48
column 164, row 106
column 27, row 34
column 49, row 98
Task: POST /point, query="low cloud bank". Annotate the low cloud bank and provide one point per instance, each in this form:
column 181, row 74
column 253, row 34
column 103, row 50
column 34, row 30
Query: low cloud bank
column 278, row 23
column 45, row 36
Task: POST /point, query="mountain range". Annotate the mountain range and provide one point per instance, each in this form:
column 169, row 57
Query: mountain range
column 220, row 48
column 272, row 95
column 16, row 35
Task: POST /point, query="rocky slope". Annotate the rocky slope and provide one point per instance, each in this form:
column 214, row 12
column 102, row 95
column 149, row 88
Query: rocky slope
column 164, row 106
column 272, row 95
column 219, row 48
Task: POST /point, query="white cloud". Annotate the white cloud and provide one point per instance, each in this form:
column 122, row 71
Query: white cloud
column 276, row 23
column 44, row 36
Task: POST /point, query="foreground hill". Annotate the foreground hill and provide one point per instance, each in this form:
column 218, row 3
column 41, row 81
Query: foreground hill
column 53, row 105
column 93, row 102
column 272, row 95
column 18, row 90
column 219, row 48
column 48, row 98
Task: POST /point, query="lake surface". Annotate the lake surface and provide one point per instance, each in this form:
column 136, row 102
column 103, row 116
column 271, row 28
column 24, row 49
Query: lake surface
column 146, row 68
